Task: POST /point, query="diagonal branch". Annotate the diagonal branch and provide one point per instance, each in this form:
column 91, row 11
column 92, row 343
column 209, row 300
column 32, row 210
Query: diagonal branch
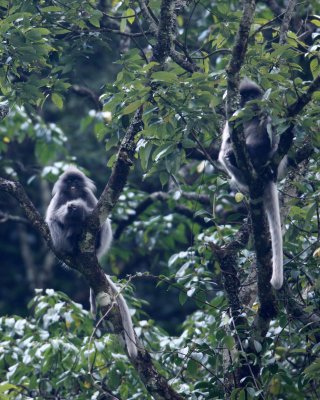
column 286, row 21
column 287, row 137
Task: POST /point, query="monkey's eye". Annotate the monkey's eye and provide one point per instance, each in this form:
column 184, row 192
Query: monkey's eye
column 73, row 181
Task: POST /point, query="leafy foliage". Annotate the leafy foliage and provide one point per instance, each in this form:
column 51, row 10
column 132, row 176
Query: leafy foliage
column 74, row 73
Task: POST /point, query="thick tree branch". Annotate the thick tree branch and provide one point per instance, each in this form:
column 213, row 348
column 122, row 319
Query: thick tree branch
column 84, row 91
column 165, row 31
column 274, row 6
column 16, row 190
column 228, row 260
column 148, row 17
column 183, row 61
column 233, row 76
column 119, row 174
column 256, row 184
column 286, row 21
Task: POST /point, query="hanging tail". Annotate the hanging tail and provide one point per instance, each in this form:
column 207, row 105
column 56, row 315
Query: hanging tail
column 271, row 203
column 129, row 334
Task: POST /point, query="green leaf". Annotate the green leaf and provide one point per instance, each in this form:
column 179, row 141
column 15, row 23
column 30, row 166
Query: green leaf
column 51, row 9
column 95, row 21
column 95, row 18
column 192, row 367
column 257, row 346
column 57, row 100
column 7, row 386
column 164, row 177
column 229, row 342
column 182, row 297
column 162, row 151
column 315, row 67
column 164, row 76
column 132, row 107
column 315, row 21
column 130, row 13
column 145, row 153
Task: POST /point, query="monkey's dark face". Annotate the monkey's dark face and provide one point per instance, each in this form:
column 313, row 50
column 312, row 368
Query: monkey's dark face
column 75, row 213
column 73, row 186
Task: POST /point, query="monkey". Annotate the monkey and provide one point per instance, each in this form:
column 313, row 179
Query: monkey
column 261, row 144
column 72, row 202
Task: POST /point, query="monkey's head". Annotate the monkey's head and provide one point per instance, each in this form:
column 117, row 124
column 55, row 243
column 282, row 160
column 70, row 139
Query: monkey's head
column 73, row 212
column 76, row 211
column 249, row 90
column 73, row 184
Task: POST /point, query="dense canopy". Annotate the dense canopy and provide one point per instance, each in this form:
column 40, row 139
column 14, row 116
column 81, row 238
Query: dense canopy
column 136, row 94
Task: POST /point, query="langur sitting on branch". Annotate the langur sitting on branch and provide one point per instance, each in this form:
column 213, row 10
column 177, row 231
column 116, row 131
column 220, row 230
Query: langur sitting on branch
column 72, row 202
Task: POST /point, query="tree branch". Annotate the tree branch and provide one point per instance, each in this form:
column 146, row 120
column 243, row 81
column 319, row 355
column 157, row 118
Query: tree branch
column 256, row 184
column 233, row 77
column 286, row 21
column 287, row 137
column 16, row 190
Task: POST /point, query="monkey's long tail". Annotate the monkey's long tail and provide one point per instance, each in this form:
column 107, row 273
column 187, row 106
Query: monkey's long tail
column 271, row 203
column 129, row 334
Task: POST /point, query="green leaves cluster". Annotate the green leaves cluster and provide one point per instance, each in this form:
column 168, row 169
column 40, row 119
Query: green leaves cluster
column 50, row 47
column 53, row 353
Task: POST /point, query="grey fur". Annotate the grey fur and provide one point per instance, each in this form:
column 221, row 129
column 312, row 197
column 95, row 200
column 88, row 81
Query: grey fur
column 72, row 202
column 261, row 146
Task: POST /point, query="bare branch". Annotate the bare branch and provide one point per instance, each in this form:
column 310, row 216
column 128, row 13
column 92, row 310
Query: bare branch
column 286, row 21
column 84, row 91
column 4, row 217
column 16, row 190
column 145, row 12
column 119, row 174
column 303, row 100
column 183, row 62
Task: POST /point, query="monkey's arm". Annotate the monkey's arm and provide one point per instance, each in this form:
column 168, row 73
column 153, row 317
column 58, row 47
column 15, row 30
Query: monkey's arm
column 59, row 236
column 229, row 162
